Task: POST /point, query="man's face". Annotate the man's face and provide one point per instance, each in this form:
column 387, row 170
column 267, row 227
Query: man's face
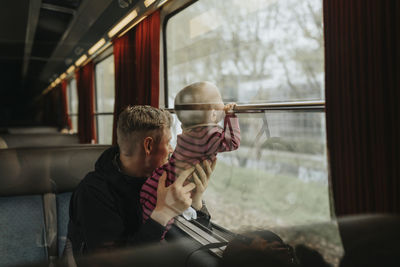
column 161, row 150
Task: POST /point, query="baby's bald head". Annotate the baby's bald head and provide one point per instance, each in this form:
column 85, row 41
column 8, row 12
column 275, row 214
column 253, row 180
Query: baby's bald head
column 198, row 94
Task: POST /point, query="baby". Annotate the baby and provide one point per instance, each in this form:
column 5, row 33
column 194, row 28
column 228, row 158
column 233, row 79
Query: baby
column 199, row 108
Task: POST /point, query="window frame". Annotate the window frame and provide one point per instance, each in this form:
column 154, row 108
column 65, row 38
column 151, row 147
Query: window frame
column 71, row 114
column 164, row 44
column 98, row 59
column 218, row 233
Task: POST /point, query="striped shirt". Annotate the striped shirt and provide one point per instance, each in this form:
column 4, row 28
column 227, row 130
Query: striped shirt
column 193, row 146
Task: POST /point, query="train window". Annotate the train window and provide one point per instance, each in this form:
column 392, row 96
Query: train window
column 73, row 104
column 262, row 52
column 277, row 177
column 256, row 50
column 104, row 75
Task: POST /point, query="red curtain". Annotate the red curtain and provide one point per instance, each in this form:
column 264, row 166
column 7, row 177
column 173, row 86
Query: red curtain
column 362, row 110
column 136, row 59
column 65, row 114
column 85, row 86
column 147, row 61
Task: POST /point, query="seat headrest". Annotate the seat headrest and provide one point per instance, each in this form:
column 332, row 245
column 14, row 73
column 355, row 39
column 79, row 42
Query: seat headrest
column 45, row 169
column 39, row 139
column 32, row 130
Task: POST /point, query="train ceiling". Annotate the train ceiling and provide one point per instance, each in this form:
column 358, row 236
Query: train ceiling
column 39, row 39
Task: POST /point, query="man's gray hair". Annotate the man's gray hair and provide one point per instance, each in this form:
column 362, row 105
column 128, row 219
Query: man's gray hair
column 135, row 122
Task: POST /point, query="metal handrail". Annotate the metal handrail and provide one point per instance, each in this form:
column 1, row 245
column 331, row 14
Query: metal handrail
column 103, row 113
column 253, row 108
column 300, row 106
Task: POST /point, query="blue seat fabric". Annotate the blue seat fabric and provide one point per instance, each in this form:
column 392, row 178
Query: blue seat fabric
column 62, row 219
column 22, row 222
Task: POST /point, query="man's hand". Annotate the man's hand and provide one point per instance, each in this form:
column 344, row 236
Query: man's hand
column 174, row 199
column 202, row 182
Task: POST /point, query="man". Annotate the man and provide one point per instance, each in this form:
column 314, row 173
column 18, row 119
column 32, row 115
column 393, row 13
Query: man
column 105, row 210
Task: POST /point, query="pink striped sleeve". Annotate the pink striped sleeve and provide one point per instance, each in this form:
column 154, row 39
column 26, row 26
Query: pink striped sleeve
column 148, row 193
column 230, row 134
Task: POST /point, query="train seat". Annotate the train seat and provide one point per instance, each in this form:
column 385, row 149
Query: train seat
column 35, row 188
column 32, row 130
column 62, row 202
column 180, row 253
column 38, row 139
column 370, row 239
column 22, row 234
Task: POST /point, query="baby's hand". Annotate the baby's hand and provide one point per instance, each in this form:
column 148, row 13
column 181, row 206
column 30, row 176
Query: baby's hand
column 229, row 107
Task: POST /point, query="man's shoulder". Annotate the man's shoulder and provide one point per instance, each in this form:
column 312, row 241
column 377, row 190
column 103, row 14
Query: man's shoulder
column 104, row 171
column 92, row 184
column 93, row 178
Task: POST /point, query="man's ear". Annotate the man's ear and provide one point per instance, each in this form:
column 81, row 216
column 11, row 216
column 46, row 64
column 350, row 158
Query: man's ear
column 148, row 143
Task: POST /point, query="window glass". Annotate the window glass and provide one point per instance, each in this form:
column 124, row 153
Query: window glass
column 279, row 169
column 104, row 129
column 276, row 180
column 105, row 85
column 278, row 176
column 73, row 104
column 74, row 122
column 73, row 97
column 105, row 90
column 255, row 51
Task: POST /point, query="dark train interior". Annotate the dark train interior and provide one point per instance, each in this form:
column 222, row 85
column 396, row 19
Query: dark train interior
column 39, row 39
column 317, row 88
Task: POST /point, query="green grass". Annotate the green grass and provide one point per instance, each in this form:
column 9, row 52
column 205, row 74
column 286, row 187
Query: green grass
column 244, row 199
column 296, row 159
column 281, row 197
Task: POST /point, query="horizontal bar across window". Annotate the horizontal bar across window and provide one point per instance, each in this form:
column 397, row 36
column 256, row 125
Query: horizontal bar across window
column 302, row 106
column 96, row 114
column 103, row 113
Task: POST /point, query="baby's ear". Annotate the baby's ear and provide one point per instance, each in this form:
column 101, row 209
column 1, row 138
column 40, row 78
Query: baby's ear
column 220, row 114
column 214, row 116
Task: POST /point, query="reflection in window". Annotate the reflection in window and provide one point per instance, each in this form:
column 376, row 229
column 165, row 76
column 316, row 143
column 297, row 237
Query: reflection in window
column 73, row 104
column 255, row 51
column 105, row 91
column 276, row 180
column 278, row 176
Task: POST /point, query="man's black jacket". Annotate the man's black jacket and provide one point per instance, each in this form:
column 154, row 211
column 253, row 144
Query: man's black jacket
column 105, row 210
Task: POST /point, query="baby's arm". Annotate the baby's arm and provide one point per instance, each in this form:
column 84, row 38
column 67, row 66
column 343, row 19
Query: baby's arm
column 148, row 193
column 231, row 132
